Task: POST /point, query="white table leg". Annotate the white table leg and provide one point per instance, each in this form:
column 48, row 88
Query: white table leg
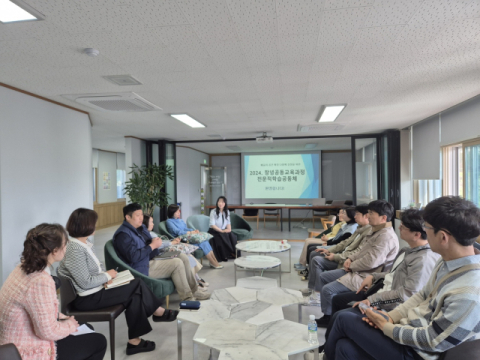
column 235, row 266
column 179, row 339
column 195, row 351
column 300, row 313
column 280, row 274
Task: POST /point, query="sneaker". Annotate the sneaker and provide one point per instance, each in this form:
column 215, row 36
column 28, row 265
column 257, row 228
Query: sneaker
column 304, row 278
column 306, row 291
column 301, row 268
column 304, row 272
column 144, row 346
column 200, row 295
column 203, row 289
column 216, row 267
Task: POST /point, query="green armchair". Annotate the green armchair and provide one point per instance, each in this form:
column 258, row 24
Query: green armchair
column 240, row 227
column 199, row 222
column 160, row 287
column 162, row 230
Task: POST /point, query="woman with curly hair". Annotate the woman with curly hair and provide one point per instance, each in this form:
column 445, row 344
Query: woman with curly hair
column 30, row 318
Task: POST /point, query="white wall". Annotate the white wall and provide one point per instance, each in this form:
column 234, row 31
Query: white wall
column 188, row 180
column 45, row 168
column 107, row 163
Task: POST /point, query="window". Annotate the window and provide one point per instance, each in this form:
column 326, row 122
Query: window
column 471, row 152
column 94, row 184
column 452, row 161
column 425, row 191
column 121, row 178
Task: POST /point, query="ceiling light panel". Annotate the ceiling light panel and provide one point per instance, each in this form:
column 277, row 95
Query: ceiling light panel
column 330, row 113
column 188, row 120
column 15, row 11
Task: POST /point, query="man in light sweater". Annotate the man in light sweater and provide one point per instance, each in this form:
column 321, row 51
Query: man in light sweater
column 379, row 248
column 444, row 314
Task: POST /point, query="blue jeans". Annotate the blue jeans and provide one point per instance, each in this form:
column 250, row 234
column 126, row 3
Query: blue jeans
column 352, row 338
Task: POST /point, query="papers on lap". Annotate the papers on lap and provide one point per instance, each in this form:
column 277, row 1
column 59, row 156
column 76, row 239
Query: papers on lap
column 82, row 330
column 123, row 278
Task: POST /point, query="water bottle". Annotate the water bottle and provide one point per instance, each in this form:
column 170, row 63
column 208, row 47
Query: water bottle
column 312, row 330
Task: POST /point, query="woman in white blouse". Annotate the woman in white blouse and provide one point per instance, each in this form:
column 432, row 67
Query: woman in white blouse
column 224, row 240
column 89, row 278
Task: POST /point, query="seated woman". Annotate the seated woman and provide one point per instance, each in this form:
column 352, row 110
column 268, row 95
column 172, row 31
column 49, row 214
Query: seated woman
column 177, row 227
column 326, row 235
column 224, row 242
column 349, row 226
column 29, row 317
column 89, row 278
column 176, row 245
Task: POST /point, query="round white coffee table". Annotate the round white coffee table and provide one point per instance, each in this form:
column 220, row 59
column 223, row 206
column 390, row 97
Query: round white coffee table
column 258, row 262
column 266, row 247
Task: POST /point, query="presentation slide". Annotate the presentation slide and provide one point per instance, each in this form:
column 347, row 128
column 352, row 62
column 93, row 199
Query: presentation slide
column 282, row 176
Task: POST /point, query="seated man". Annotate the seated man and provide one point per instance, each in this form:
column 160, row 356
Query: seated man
column 379, row 248
column 134, row 245
column 444, row 314
column 410, row 271
column 333, row 258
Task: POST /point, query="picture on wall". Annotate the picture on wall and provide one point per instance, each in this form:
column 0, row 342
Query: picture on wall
column 106, row 181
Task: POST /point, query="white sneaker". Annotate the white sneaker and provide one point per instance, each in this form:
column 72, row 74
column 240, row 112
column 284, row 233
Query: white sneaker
column 306, row 291
column 200, row 295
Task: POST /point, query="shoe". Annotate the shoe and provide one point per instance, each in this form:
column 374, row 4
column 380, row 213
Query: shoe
column 203, row 282
column 168, row 315
column 323, row 321
column 144, row 346
column 216, row 267
column 202, row 289
column 306, row 291
column 202, row 286
column 300, row 268
column 304, row 278
column 200, row 295
column 304, row 272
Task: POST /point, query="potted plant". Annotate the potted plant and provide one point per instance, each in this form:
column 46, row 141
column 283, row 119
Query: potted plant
column 147, row 184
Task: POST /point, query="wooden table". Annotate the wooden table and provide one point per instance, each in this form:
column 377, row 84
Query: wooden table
column 280, row 206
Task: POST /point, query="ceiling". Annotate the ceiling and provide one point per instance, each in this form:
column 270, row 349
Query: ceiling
column 242, row 67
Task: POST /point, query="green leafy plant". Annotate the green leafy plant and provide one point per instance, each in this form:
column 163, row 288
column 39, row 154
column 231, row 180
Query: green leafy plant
column 146, row 186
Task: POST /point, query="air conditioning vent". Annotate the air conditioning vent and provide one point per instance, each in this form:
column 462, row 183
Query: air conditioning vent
column 234, row 148
column 118, row 102
column 122, row 80
column 324, row 128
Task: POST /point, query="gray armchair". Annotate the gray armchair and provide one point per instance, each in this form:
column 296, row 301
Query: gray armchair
column 199, row 222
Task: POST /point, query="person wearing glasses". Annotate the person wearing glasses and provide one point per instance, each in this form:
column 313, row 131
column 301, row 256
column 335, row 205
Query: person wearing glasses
column 409, row 274
column 442, row 315
column 379, row 248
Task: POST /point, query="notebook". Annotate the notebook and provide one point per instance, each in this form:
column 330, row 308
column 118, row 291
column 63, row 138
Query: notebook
column 123, row 278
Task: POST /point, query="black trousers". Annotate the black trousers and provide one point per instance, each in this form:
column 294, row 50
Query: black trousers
column 223, row 244
column 82, row 347
column 139, row 301
column 340, row 301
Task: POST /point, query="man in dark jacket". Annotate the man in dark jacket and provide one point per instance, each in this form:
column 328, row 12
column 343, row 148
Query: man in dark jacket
column 134, row 245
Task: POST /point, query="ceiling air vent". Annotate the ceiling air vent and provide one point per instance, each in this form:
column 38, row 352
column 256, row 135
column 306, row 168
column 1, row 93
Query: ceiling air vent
column 122, row 80
column 118, row 102
column 325, row 128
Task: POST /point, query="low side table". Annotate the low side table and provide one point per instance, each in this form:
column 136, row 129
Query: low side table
column 267, row 247
column 258, row 262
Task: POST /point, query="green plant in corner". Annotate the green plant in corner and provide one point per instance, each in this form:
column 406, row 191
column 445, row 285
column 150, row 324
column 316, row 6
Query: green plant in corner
column 146, row 186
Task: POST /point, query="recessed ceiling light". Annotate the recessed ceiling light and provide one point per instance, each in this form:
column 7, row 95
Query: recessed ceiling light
column 188, row 120
column 17, row 10
column 329, row 113
column 311, row 146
